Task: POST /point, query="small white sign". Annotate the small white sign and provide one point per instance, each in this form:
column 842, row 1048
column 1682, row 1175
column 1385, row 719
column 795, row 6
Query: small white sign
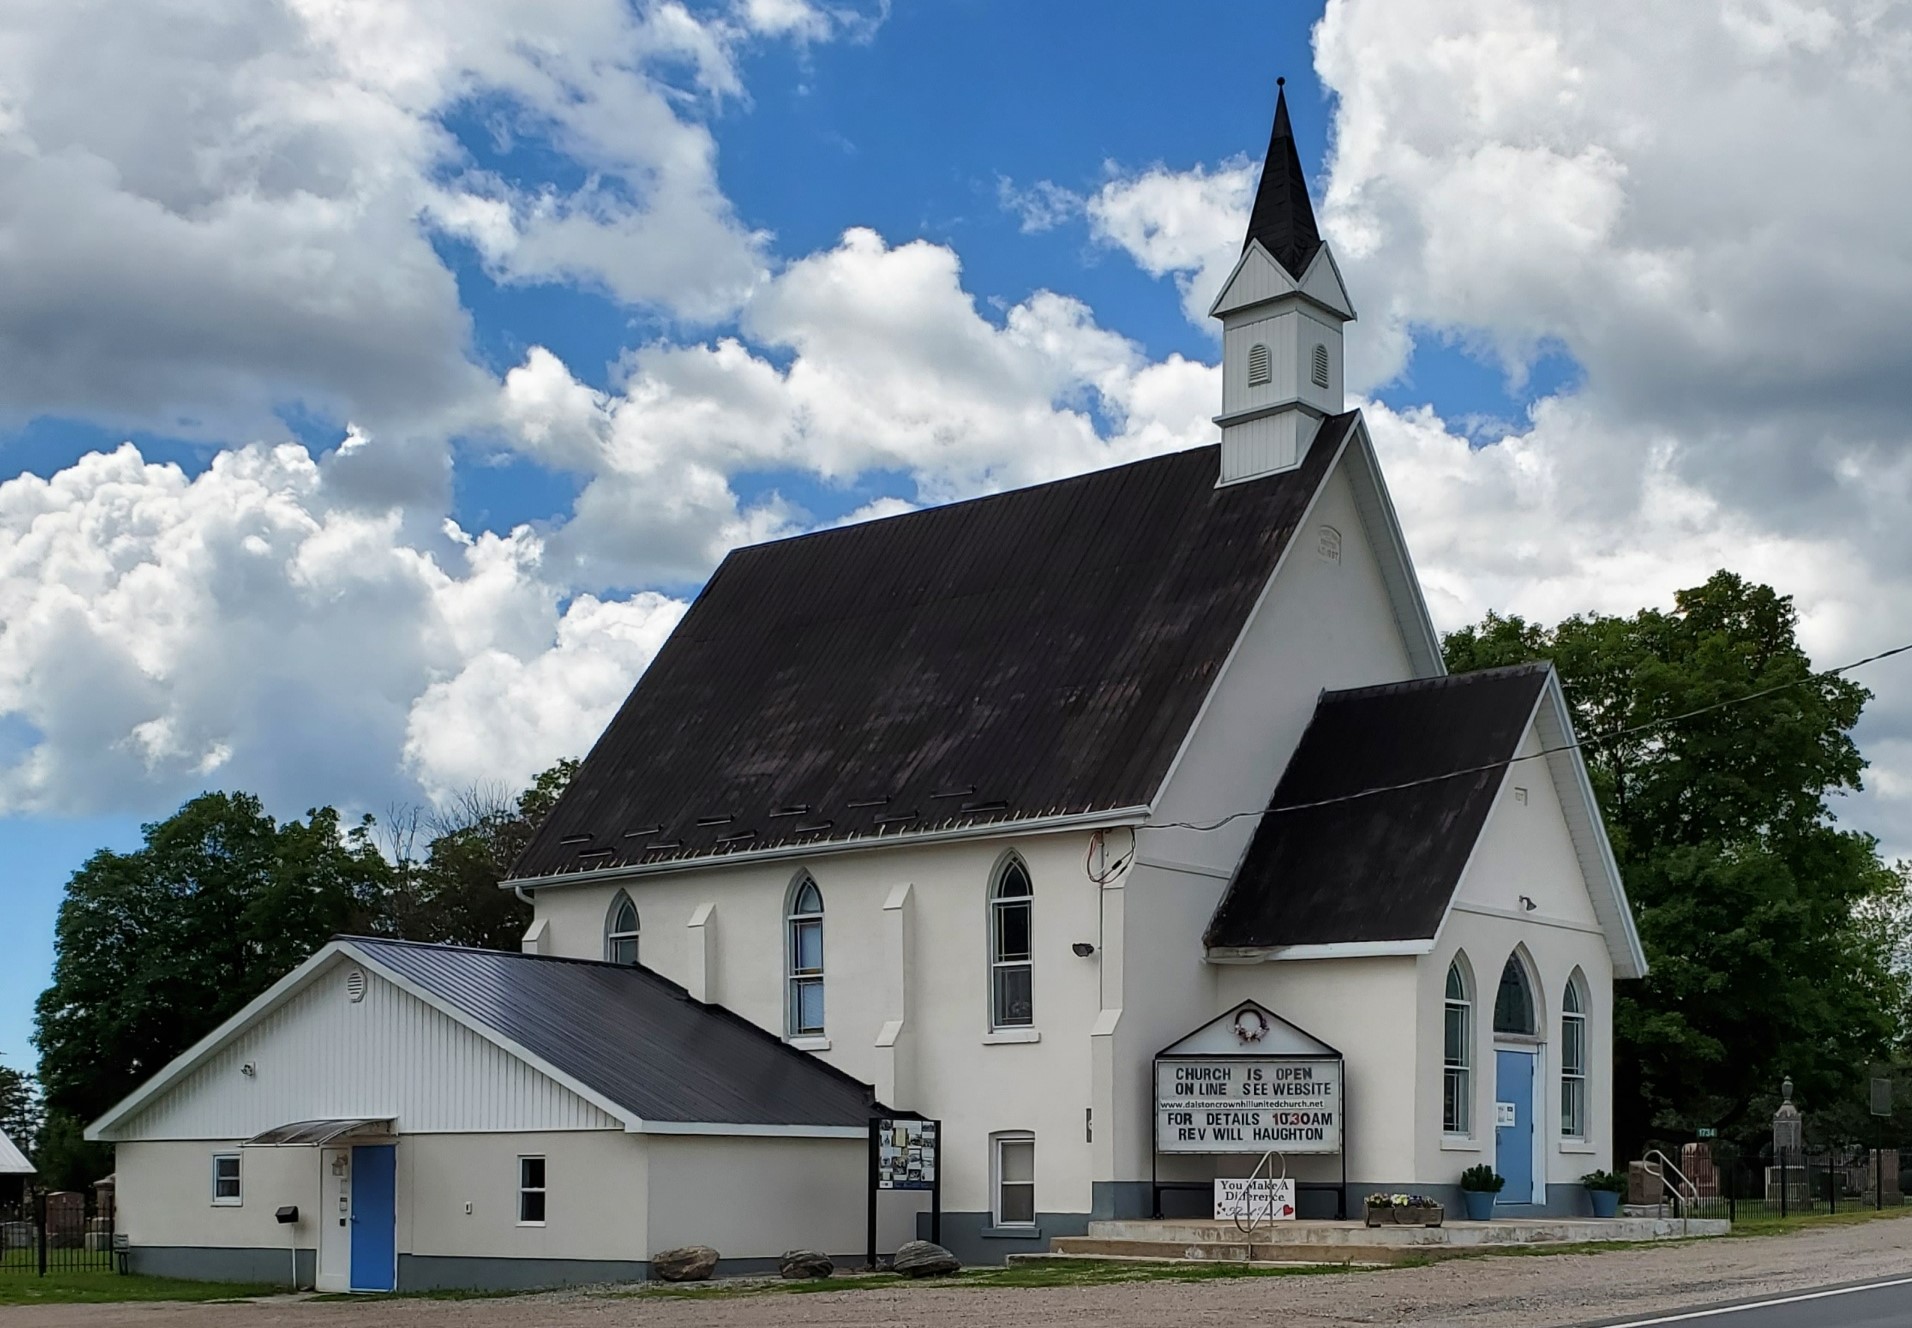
column 1260, row 1200
column 1504, row 1115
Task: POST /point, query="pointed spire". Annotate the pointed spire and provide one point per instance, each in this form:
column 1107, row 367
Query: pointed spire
column 1283, row 219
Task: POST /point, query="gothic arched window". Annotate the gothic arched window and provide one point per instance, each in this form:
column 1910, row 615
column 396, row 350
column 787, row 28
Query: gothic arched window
column 620, row 931
column 1012, row 948
column 803, row 955
column 1457, row 1051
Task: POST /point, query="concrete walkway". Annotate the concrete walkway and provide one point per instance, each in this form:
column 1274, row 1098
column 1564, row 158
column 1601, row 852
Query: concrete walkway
column 1357, row 1243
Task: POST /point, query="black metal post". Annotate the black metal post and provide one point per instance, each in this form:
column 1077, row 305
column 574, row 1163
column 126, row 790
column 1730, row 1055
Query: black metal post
column 870, row 1245
column 1732, row 1188
column 1832, row 1188
column 1878, row 1177
column 1782, row 1181
column 39, row 1212
column 936, row 1192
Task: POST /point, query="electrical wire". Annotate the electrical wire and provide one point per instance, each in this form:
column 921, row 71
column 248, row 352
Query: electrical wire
column 1490, row 766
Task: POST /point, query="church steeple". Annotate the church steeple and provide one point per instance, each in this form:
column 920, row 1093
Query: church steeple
column 1283, row 219
column 1282, row 311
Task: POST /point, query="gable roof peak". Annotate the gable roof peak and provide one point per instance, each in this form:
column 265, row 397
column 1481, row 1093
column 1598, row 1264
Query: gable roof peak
column 1283, row 218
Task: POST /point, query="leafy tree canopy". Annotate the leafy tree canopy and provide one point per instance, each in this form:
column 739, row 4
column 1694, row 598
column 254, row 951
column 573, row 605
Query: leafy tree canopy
column 155, row 948
column 1771, row 932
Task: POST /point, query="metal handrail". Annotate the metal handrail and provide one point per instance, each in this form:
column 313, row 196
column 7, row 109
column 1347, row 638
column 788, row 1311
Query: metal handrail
column 1244, row 1219
column 1685, row 1194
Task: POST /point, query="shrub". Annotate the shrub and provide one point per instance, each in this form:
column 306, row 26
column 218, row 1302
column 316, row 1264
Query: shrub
column 1611, row 1181
column 1482, row 1179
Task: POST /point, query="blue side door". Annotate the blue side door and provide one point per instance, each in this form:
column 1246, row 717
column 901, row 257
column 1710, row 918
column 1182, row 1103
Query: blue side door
column 374, row 1217
column 1514, row 1143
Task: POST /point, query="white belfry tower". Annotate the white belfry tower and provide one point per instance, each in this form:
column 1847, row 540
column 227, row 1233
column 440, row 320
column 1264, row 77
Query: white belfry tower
column 1282, row 311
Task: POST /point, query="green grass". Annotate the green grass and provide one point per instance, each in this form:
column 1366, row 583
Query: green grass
column 1767, row 1225
column 98, row 1286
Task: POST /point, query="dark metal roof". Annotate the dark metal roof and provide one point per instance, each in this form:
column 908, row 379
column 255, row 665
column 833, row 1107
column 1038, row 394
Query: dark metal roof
column 1381, row 867
column 637, row 1038
column 1283, row 219
column 1038, row 652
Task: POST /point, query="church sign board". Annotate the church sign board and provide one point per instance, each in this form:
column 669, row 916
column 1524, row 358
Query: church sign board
column 1248, row 1082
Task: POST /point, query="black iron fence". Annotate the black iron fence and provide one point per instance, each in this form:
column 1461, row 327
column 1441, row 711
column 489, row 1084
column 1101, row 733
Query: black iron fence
column 1721, row 1179
column 56, row 1233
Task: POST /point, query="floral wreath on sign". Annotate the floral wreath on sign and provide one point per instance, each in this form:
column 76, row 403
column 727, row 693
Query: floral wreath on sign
column 1251, row 1025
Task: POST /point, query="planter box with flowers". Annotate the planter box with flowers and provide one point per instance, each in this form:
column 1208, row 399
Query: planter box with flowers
column 1404, row 1210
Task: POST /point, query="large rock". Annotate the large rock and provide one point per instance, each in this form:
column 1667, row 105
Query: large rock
column 805, row 1263
column 920, row 1258
column 688, row 1263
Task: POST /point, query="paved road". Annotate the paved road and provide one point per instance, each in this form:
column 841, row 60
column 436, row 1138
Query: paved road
column 1874, row 1305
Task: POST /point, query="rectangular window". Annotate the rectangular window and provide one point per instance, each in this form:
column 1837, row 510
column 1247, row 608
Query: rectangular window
column 1456, row 1083
column 1573, row 1076
column 530, row 1191
column 1014, row 1166
column 1012, row 1000
column 225, row 1179
column 806, row 977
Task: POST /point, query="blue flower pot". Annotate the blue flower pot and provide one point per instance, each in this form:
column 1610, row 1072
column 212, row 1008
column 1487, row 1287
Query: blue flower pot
column 1479, row 1205
column 1606, row 1203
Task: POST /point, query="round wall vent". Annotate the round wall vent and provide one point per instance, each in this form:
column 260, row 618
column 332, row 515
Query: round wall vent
column 355, row 986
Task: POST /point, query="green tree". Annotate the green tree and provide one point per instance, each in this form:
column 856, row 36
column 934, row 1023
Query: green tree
column 455, row 894
column 155, row 948
column 1772, row 934
column 20, row 1111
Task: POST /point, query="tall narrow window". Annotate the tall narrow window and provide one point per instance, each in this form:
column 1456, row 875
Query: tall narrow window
column 620, row 931
column 1573, row 1061
column 1320, row 367
column 1514, row 1002
column 804, row 946
column 1011, row 952
column 1014, row 1169
column 1457, row 1056
column 1260, row 367
column 531, row 1191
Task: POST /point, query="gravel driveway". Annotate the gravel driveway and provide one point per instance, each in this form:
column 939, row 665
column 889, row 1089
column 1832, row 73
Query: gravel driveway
column 1504, row 1292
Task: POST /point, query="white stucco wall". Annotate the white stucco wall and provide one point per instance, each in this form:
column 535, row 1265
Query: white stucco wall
column 1323, row 624
column 1364, row 1009
column 322, row 1056
column 1524, row 850
column 595, row 1186
column 756, row 1198
column 163, row 1195
column 945, row 1060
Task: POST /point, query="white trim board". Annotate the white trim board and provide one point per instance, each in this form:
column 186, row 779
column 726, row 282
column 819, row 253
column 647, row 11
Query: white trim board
column 1034, row 825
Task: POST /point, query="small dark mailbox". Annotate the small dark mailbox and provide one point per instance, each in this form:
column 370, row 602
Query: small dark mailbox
column 290, row 1213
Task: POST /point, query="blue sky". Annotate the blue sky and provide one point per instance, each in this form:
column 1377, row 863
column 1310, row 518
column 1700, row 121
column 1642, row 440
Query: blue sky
column 1516, row 387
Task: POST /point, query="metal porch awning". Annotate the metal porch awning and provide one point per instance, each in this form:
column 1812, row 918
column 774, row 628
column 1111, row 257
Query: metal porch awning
column 314, row 1133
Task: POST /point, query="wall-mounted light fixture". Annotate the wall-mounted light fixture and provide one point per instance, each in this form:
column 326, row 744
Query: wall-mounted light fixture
column 1527, row 905
column 1082, row 949
column 248, row 1069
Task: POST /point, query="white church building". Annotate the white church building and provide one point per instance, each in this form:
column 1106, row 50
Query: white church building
column 1002, row 814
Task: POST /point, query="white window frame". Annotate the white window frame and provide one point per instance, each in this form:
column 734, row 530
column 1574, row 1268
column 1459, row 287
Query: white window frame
column 238, row 1196
column 797, row 978
column 1000, row 904
column 614, row 936
column 542, row 1191
column 1457, row 1073
column 1575, row 1098
column 996, row 1182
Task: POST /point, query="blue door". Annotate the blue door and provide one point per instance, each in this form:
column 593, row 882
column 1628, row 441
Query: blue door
column 374, row 1217
column 1514, row 1124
